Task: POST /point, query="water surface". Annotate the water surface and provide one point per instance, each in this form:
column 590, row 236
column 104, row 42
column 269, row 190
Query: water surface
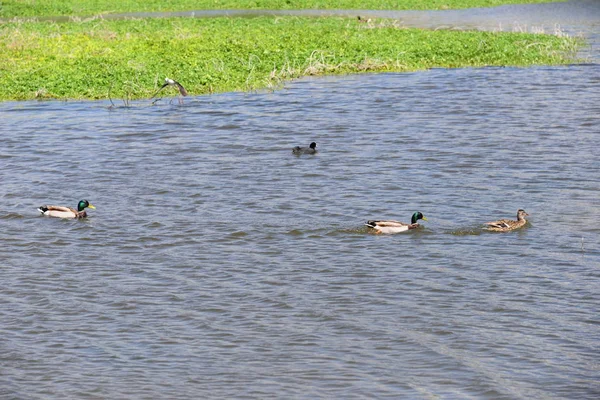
column 219, row 265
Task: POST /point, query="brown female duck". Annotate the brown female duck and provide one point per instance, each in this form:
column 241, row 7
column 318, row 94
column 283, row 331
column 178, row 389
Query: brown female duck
column 505, row 225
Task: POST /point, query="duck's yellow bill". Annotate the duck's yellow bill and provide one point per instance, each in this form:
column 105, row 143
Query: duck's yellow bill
column 424, row 219
column 92, row 207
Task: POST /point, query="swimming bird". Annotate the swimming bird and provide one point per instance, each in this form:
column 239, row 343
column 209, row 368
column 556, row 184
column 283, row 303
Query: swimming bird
column 312, row 149
column 390, row 226
column 67, row 212
column 505, row 225
column 171, row 82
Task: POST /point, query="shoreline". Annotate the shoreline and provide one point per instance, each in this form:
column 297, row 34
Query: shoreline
column 92, row 8
column 129, row 59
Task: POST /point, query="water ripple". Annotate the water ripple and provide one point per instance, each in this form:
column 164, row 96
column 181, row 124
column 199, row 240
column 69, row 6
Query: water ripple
column 217, row 264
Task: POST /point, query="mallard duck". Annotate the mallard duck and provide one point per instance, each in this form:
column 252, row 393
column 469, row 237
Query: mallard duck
column 67, row 212
column 505, row 225
column 395, row 226
column 171, row 82
column 312, row 149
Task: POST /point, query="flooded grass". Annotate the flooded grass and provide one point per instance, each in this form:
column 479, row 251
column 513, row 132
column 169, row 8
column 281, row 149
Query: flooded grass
column 26, row 8
column 130, row 58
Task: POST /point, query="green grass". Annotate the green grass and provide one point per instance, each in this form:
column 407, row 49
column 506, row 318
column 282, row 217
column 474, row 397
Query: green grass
column 30, row 8
column 130, row 58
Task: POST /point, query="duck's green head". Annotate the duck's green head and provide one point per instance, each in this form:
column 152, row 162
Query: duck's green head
column 417, row 216
column 83, row 204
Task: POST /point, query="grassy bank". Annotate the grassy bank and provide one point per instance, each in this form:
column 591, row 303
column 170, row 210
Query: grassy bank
column 29, row 8
column 131, row 58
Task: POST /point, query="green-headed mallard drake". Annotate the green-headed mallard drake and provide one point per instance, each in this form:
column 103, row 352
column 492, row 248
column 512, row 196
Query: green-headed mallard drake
column 505, row 225
column 312, row 149
column 395, row 226
column 67, row 212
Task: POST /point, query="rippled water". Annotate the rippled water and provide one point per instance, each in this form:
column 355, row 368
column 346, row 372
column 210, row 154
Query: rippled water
column 219, row 265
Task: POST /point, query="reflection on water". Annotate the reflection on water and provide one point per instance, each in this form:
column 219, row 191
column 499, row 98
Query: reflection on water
column 217, row 264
